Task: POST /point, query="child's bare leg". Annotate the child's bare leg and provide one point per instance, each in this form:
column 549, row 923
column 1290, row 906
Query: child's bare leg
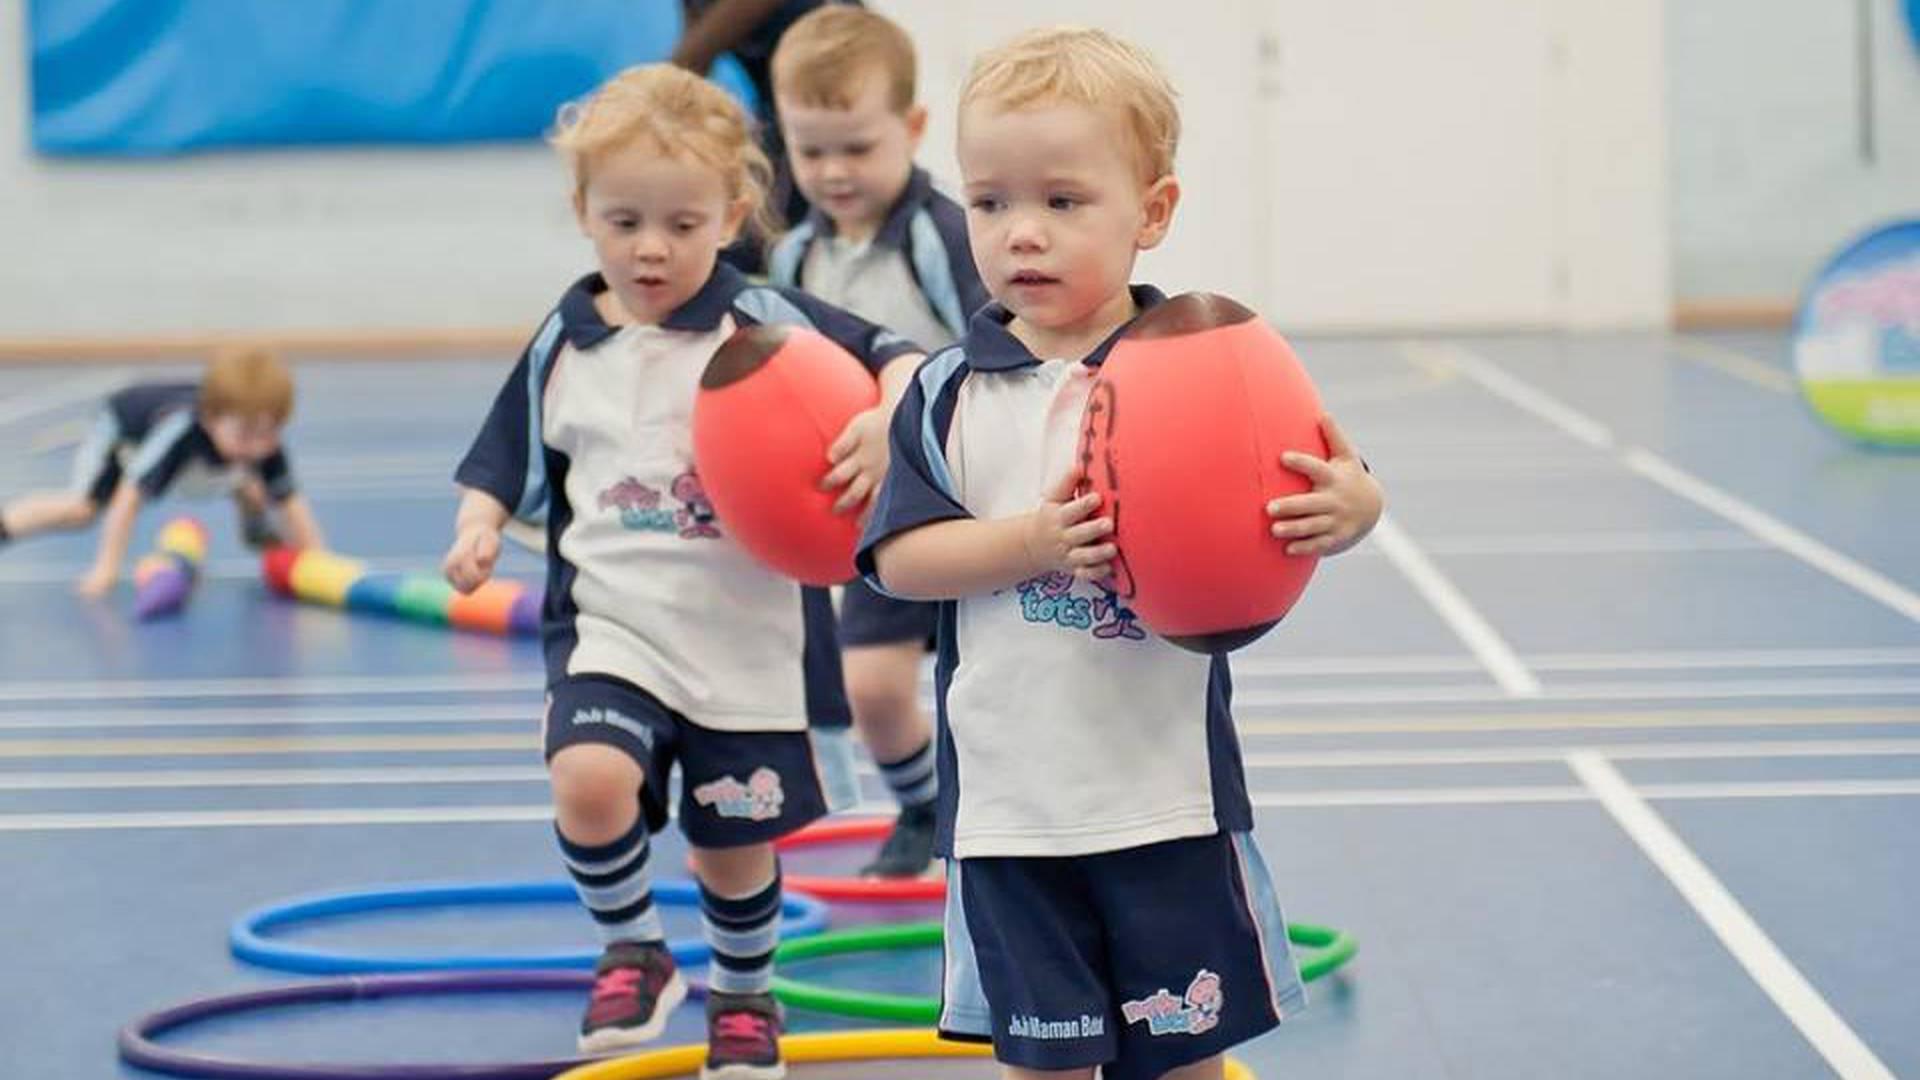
column 606, row 849
column 46, row 510
column 883, row 685
column 596, row 793
column 735, row 871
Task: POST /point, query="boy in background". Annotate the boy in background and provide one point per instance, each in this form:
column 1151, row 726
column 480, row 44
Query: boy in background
column 882, row 243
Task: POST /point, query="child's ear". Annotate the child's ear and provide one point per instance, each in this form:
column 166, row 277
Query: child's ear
column 916, row 118
column 1156, row 211
column 737, row 212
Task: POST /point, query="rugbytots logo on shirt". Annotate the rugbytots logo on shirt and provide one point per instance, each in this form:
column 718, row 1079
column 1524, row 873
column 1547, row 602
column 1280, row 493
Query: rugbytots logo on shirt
column 1195, row 1013
column 641, row 507
column 758, row 799
column 1049, row 599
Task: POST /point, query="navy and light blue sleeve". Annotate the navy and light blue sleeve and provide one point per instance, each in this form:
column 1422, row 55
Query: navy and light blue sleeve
column 789, row 256
column 163, row 453
column 873, row 345
column 507, row 459
column 277, row 476
column 953, row 288
column 919, row 489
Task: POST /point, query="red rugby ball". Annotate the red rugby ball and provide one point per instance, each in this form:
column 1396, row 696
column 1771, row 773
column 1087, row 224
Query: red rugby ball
column 1182, row 438
column 771, row 401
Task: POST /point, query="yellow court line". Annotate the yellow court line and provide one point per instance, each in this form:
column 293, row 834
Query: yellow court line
column 1810, row 717
column 1733, row 362
column 266, row 744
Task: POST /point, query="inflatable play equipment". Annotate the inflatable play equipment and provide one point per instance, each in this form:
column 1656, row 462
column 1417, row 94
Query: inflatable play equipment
column 163, row 580
column 321, row 577
column 1856, row 339
column 1182, row 438
column 771, row 401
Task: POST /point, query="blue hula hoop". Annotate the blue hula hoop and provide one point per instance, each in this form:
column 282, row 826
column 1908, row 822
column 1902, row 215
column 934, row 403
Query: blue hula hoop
column 801, row 916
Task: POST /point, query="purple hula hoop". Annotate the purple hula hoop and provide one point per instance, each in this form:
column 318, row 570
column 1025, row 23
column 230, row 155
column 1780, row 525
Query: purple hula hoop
column 137, row 1045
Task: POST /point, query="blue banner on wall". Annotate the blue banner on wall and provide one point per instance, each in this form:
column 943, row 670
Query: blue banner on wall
column 149, row 77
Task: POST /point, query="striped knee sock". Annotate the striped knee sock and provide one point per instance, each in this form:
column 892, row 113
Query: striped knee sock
column 912, row 779
column 743, row 933
column 616, row 885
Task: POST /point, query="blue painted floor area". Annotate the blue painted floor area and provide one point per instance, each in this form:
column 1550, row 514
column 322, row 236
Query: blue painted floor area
column 1632, row 550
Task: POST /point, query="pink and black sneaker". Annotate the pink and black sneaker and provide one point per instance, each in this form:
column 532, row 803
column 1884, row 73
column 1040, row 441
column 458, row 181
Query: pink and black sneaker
column 743, row 1038
column 636, row 987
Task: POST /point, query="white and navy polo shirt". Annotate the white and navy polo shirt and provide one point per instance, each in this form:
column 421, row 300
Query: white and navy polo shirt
column 592, row 433
column 154, row 429
column 1068, row 728
column 915, row 275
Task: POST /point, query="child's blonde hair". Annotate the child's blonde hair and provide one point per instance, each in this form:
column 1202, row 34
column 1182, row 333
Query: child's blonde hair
column 1085, row 67
column 247, row 380
column 672, row 112
column 824, row 56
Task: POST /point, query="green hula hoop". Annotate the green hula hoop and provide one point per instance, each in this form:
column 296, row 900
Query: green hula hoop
column 1332, row 949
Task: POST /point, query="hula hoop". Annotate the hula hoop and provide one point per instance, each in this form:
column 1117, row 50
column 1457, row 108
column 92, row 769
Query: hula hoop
column 1335, row 947
column 679, row 1061
column 802, row 916
column 887, row 890
column 139, row 1048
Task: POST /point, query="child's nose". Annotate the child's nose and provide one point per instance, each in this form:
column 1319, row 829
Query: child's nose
column 1026, row 234
column 650, row 244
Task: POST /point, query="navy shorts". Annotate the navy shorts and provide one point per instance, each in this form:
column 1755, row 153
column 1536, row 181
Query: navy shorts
column 871, row 617
column 96, row 464
column 1138, row 961
column 737, row 787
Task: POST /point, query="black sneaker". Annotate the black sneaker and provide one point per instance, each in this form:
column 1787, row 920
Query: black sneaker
column 636, row 986
column 743, row 1038
column 908, row 850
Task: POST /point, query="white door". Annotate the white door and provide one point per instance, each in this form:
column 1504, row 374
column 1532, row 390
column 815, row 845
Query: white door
column 1411, row 153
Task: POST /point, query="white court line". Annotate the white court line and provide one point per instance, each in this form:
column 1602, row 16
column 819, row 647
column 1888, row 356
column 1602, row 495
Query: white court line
column 1656, row 720
column 1299, row 800
column 59, row 394
column 1710, row 690
column 83, row 690
column 1250, row 724
column 1743, row 937
column 1727, row 750
column 1480, row 637
column 1678, row 481
column 243, row 716
column 228, row 819
column 1735, row 363
column 250, row 746
column 1593, row 543
column 1512, row 390
column 246, row 569
column 245, row 778
column 1307, row 667
column 1771, row 529
column 374, row 776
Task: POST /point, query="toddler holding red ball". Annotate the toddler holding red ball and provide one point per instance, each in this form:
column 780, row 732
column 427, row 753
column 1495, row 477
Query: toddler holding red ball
column 1092, row 798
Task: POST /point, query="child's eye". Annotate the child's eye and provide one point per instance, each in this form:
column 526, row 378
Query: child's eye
column 1062, row 202
column 986, row 204
column 812, row 153
column 684, row 227
column 859, row 149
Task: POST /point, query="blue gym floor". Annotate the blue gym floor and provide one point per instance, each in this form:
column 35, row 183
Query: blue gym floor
column 1606, row 746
